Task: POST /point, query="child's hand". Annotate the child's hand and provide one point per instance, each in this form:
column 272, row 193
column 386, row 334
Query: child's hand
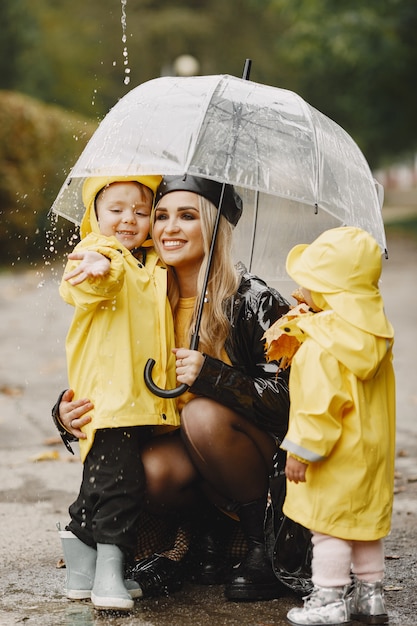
column 93, row 264
column 72, row 413
column 295, row 470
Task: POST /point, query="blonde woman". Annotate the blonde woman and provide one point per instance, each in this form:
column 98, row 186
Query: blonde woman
column 235, row 413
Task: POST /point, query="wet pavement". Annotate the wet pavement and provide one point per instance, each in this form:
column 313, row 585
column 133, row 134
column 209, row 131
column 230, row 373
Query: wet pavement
column 38, row 478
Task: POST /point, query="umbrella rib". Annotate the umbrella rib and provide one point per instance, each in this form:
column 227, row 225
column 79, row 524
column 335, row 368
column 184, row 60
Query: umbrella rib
column 199, row 125
column 255, row 221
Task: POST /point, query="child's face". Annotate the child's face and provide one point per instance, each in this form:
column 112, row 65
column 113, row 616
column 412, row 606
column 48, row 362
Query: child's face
column 123, row 210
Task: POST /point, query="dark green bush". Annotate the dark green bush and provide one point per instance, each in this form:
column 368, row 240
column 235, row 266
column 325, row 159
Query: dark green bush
column 39, row 144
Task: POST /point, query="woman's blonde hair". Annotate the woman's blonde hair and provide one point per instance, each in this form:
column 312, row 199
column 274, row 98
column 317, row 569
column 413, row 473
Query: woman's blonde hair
column 223, row 282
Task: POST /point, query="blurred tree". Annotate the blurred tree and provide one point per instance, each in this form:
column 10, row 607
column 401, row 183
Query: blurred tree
column 353, row 60
column 20, row 62
column 356, row 63
column 38, row 145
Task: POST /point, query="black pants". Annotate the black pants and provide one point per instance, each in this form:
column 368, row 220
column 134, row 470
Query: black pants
column 109, row 504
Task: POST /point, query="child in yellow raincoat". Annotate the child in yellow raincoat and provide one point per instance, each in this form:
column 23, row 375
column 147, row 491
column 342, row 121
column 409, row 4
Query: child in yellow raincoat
column 122, row 317
column 341, row 437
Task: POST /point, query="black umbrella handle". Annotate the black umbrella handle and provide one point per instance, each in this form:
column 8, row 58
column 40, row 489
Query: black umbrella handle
column 166, row 393
column 157, row 391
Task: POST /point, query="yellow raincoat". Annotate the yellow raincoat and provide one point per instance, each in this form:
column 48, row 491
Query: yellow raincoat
column 342, row 392
column 120, row 321
column 342, row 420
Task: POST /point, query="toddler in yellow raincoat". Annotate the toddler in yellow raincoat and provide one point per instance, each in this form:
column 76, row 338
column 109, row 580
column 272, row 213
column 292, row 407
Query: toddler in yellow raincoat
column 341, row 438
column 122, row 317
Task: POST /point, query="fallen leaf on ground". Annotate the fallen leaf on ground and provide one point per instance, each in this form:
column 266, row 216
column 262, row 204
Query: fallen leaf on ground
column 53, row 455
column 52, row 441
column 11, row 390
column 402, row 453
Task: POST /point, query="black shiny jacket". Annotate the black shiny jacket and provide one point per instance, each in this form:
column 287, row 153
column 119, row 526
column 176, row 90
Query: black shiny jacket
column 250, row 386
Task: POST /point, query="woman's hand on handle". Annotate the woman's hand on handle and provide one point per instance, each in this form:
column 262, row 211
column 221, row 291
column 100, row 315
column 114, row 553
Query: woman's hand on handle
column 188, row 364
column 72, row 413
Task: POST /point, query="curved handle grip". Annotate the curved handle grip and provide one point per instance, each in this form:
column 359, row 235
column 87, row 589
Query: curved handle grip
column 157, row 391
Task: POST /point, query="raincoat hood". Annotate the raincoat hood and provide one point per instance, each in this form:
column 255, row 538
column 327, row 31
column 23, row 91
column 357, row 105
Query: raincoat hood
column 343, row 265
column 91, row 188
column 360, row 352
column 209, row 189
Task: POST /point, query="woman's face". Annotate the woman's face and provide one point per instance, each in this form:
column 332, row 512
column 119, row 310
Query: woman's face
column 177, row 230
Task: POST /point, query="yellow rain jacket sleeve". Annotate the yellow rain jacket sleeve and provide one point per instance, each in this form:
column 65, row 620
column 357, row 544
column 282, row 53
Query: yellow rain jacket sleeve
column 342, row 422
column 120, row 321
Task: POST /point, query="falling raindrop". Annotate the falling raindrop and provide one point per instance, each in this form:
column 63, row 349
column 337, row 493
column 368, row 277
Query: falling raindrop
column 124, row 39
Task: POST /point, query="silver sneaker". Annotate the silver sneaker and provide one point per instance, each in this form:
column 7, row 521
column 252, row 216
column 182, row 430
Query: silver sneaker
column 325, row 605
column 368, row 604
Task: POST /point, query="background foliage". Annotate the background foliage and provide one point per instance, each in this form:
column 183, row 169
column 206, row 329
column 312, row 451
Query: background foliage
column 38, row 143
column 355, row 61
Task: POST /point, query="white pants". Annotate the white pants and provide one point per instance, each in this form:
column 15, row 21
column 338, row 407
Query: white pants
column 334, row 559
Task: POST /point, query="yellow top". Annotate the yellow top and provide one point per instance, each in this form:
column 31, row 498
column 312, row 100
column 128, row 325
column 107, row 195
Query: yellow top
column 182, row 323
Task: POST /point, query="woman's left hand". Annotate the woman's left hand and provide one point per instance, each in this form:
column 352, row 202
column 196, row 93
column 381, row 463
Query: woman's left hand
column 189, row 364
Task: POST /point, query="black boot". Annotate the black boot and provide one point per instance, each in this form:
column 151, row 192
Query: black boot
column 157, row 575
column 253, row 579
column 208, row 560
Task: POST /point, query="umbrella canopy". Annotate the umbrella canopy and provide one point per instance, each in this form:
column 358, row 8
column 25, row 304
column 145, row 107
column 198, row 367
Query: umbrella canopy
column 298, row 172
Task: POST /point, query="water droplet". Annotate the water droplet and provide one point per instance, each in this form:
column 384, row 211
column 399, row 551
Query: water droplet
column 126, row 79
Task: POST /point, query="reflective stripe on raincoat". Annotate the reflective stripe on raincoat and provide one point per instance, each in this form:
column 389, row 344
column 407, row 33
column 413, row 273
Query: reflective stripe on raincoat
column 342, row 421
column 120, row 321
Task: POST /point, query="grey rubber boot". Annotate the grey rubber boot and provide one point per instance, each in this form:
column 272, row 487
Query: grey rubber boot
column 368, row 604
column 109, row 591
column 80, row 562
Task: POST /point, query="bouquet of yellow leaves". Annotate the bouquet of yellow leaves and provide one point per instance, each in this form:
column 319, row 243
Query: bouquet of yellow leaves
column 284, row 337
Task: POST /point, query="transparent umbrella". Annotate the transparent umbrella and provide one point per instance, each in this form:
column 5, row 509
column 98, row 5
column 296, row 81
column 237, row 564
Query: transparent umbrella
column 298, row 172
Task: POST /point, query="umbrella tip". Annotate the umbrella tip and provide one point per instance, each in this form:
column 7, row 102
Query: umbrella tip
column 246, row 69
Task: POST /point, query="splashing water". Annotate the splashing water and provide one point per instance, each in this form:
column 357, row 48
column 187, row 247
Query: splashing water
column 124, row 39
